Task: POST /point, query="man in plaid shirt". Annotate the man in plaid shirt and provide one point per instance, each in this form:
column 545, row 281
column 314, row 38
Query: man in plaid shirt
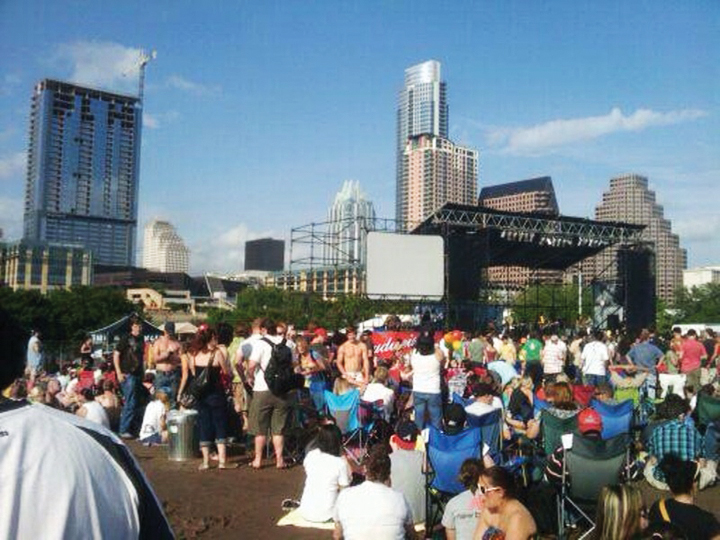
column 678, row 437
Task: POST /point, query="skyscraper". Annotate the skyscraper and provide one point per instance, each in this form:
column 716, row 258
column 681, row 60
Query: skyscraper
column 350, row 218
column 629, row 200
column 422, row 132
column 265, row 254
column 83, row 167
column 163, row 249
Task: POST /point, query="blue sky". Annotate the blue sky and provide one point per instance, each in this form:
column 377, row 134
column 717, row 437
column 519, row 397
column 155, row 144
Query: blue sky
column 256, row 112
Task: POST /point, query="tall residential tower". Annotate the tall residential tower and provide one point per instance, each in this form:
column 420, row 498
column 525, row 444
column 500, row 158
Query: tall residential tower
column 83, row 168
column 431, row 170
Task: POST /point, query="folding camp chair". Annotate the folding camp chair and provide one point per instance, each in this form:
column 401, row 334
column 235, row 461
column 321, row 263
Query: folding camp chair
column 708, row 408
column 591, row 465
column 445, row 454
column 345, row 410
column 616, row 419
column 672, row 383
column 490, row 425
column 539, row 405
column 552, row 429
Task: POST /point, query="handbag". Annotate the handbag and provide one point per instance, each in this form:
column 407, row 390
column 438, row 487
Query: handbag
column 198, row 386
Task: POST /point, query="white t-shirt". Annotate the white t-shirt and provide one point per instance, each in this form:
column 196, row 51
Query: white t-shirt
column 261, row 352
column 96, row 413
column 478, row 408
column 325, row 475
column 461, row 515
column 154, row 413
column 78, row 479
column 406, row 476
column 372, row 511
column 426, row 373
column 594, row 356
column 376, row 391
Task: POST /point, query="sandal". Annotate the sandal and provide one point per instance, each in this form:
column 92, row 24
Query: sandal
column 204, row 467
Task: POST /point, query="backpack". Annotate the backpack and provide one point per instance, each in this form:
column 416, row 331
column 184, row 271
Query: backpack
column 279, row 373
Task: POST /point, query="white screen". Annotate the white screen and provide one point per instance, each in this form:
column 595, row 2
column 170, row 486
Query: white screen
column 404, row 265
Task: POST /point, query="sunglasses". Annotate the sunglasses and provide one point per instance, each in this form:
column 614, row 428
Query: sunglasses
column 484, row 490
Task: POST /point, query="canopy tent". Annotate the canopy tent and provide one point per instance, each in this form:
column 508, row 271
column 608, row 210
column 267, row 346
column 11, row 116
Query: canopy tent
column 107, row 335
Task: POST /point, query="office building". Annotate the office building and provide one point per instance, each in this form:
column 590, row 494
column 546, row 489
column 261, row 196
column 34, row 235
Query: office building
column 534, row 196
column 629, row 200
column 704, row 275
column 265, row 254
column 350, row 218
column 163, row 249
column 82, row 173
column 44, row 266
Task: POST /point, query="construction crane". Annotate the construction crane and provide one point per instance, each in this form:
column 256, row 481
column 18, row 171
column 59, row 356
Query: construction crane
column 140, row 67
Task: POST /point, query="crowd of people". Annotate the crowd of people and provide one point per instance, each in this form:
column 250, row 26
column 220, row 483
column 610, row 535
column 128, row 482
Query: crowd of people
column 440, row 382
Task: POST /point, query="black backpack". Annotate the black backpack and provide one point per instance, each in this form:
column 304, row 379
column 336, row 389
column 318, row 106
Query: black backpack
column 279, row 373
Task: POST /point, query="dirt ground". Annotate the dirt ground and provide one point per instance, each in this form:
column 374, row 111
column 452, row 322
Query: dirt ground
column 245, row 503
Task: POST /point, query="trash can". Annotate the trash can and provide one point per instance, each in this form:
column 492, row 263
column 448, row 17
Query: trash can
column 183, row 438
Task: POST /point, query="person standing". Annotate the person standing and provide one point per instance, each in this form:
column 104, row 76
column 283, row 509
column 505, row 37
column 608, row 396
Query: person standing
column 553, row 358
column 128, row 362
column 646, row 355
column 268, row 412
column 426, row 363
column 34, row 356
column 166, row 352
column 692, row 355
column 595, row 358
column 352, row 359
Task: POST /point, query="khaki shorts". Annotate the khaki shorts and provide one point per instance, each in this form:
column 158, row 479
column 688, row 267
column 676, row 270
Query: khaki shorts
column 267, row 412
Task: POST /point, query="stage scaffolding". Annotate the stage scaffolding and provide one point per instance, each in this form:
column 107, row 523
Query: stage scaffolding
column 475, row 239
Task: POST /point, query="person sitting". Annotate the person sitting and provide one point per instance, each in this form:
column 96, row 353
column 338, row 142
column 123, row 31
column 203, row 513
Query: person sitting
column 111, row 403
column 407, row 468
column 520, row 414
column 503, row 516
column 590, row 426
column 91, row 409
column 454, row 419
column 604, row 393
column 463, row 510
column 620, row 513
column 679, row 437
column 378, row 390
column 681, row 510
column 484, row 401
column 562, row 402
column 326, row 473
column 373, row 509
column 154, row 426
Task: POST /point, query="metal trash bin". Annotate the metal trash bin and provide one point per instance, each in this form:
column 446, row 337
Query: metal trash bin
column 183, row 437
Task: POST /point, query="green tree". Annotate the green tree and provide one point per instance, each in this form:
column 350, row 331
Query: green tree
column 699, row 304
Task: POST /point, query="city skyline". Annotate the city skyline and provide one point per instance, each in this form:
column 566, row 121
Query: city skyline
column 254, row 113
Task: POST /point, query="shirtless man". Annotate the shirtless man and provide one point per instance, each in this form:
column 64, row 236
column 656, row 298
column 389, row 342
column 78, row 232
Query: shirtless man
column 352, row 359
column 166, row 352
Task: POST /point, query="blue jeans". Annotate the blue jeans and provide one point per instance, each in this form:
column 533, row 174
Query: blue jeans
column 594, row 380
column 432, row 403
column 169, row 380
column 712, row 441
column 129, row 388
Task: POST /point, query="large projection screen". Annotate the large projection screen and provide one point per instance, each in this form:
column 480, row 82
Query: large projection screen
column 404, row 266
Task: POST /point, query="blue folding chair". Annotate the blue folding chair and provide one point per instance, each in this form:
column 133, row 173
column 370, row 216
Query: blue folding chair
column 539, row 405
column 345, row 410
column 445, row 455
column 456, row 398
column 490, row 425
column 616, row 419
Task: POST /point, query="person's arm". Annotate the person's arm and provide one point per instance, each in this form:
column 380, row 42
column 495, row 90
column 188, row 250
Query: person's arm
column 116, row 363
column 341, row 361
column 480, row 528
column 365, row 362
column 337, row 532
column 222, row 359
column 184, row 367
column 450, row 534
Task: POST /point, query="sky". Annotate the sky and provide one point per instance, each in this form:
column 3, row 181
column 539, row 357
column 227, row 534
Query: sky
column 256, row 112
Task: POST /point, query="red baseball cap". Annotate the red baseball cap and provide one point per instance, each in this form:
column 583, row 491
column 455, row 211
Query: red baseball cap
column 589, row 420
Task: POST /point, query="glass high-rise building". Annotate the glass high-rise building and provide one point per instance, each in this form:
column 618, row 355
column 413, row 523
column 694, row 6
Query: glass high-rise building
column 350, row 218
column 83, row 169
column 422, row 110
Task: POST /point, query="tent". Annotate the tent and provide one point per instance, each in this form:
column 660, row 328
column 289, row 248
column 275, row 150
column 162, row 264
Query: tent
column 182, row 328
column 107, row 335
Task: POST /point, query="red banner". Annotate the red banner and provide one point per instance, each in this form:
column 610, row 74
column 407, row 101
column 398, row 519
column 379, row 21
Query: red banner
column 385, row 344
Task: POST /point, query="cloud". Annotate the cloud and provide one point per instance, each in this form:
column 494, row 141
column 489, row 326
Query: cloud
column 543, row 138
column 224, row 252
column 13, row 165
column 698, row 228
column 102, row 64
column 156, row 121
column 8, row 84
column 181, row 83
column 11, row 217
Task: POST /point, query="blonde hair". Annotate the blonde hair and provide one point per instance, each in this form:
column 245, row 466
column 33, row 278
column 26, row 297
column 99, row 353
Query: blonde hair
column 381, row 374
column 341, row 386
column 618, row 513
